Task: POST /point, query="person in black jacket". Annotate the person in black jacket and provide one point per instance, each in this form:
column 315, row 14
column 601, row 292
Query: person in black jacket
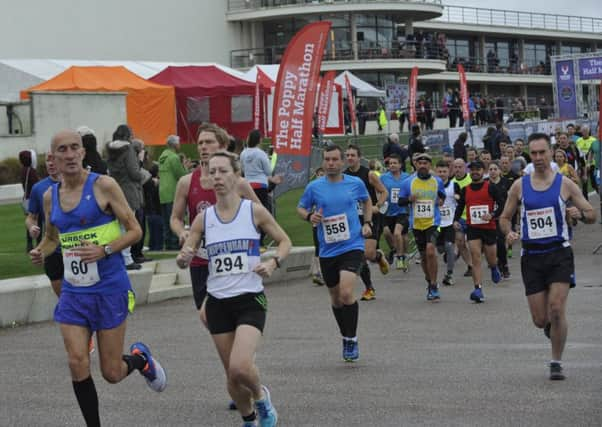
column 392, row 147
column 460, row 146
column 92, row 160
column 416, row 145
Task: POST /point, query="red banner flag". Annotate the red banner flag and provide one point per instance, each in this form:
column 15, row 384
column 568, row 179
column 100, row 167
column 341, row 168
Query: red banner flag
column 350, row 102
column 262, row 82
column 324, row 100
column 257, row 104
column 413, row 87
column 464, row 93
column 294, row 103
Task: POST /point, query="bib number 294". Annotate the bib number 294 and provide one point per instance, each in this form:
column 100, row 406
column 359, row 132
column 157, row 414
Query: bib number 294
column 230, row 264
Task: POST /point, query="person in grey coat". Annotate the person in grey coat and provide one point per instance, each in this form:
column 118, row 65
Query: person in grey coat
column 124, row 166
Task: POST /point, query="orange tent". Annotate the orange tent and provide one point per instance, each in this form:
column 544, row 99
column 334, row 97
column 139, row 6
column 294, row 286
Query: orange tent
column 151, row 107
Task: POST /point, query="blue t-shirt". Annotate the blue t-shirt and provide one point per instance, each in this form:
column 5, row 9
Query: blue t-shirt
column 393, row 186
column 424, row 212
column 36, row 202
column 340, row 230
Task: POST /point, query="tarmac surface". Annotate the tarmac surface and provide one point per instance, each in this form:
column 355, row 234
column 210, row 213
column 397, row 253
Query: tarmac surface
column 453, row 363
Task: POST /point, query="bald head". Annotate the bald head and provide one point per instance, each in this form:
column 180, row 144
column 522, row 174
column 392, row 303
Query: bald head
column 459, row 168
column 64, row 136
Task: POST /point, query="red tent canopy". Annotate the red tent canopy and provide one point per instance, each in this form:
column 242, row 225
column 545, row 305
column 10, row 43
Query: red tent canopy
column 209, row 94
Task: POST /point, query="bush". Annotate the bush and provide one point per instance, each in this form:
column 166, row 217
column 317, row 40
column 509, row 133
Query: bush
column 10, row 170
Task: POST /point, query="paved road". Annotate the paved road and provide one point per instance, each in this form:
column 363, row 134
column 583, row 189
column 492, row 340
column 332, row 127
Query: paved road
column 448, row 364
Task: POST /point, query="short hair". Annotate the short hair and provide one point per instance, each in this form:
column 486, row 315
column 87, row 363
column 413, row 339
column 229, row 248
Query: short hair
column 222, row 137
column 356, row 148
column 495, row 163
column 254, row 138
column 539, row 135
column 560, row 150
column 563, row 133
column 332, row 147
column 519, row 139
column 173, row 141
column 122, row 133
column 442, row 164
column 484, row 152
column 231, row 157
column 471, row 149
column 395, row 156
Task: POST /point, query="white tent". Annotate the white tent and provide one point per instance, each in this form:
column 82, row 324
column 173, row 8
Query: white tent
column 270, row 70
column 19, row 74
column 361, row 87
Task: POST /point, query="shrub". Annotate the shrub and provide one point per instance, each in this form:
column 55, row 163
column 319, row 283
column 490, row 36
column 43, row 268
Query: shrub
column 10, row 170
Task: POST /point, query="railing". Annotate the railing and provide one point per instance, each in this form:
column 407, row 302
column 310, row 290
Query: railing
column 238, row 5
column 518, row 19
column 246, row 58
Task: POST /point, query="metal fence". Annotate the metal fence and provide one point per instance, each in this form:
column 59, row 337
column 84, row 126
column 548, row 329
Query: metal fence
column 237, row 5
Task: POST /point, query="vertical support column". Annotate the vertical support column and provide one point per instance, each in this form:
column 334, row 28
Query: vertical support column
column 524, row 94
column 354, row 46
column 521, row 54
column 482, row 54
column 484, row 89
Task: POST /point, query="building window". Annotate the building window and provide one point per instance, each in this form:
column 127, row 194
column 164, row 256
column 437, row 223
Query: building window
column 242, row 109
column 197, row 110
column 572, row 49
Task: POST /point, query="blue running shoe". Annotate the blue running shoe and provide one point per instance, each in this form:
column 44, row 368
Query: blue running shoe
column 496, row 276
column 353, row 351
column 432, row 294
column 153, row 372
column 268, row 417
column 345, row 349
column 477, row 295
column 232, row 406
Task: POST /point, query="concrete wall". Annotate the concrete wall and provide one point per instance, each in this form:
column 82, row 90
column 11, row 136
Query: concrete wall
column 186, row 30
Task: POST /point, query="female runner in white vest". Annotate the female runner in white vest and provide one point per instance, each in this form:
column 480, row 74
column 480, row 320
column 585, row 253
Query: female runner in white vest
column 236, row 305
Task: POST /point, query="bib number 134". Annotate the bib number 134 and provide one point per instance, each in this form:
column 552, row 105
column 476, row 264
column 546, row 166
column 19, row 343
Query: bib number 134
column 235, row 263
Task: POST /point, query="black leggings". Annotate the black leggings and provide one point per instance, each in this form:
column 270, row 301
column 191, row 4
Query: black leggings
column 262, row 195
column 502, row 254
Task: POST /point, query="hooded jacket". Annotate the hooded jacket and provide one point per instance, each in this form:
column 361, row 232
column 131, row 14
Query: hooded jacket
column 170, row 171
column 124, row 167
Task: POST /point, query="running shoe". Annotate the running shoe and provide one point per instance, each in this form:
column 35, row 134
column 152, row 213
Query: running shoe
column 417, row 259
column 318, row 280
column 404, row 264
column 399, row 263
column 268, row 417
column 477, row 295
column 391, row 257
column 232, row 406
column 468, row 272
column 152, row 371
column 432, row 294
column 369, row 294
column 448, row 280
column 382, row 262
column 556, row 371
column 496, row 276
column 249, row 424
column 547, row 329
column 506, row 273
column 351, row 350
column 509, row 252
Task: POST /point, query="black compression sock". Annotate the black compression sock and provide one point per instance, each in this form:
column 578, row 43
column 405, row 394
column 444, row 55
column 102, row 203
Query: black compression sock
column 134, row 361
column 85, row 392
column 350, row 318
column 365, row 275
column 338, row 315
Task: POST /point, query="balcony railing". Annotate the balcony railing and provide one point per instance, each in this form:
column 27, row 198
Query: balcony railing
column 246, row 58
column 238, row 5
column 518, row 19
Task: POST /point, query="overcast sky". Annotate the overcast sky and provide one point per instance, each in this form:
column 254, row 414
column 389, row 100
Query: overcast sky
column 590, row 8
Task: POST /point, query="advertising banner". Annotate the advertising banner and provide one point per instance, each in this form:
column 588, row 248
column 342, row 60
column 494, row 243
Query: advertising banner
column 565, row 84
column 413, row 83
column 294, row 102
column 590, row 68
column 324, row 100
column 464, row 93
column 397, row 96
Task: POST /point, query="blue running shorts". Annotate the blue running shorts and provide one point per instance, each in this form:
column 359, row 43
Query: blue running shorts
column 93, row 311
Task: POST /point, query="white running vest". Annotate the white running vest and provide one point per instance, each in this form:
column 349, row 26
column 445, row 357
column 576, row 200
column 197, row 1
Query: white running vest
column 449, row 205
column 233, row 250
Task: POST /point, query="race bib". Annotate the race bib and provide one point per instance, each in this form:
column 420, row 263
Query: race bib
column 394, row 195
column 541, row 223
column 335, row 228
column 202, row 251
column 476, row 214
column 446, row 213
column 230, row 263
column 77, row 272
column 424, row 209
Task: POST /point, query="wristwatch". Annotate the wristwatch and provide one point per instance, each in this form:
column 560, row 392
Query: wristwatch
column 369, row 223
column 108, row 250
column 277, row 261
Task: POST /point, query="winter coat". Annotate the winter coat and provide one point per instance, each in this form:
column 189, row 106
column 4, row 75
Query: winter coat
column 124, row 167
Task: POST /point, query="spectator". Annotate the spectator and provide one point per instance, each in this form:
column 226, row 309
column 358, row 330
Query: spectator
column 362, row 116
column 29, row 177
column 392, row 147
column 415, row 144
column 544, row 109
column 152, row 209
column 92, row 160
column 140, row 213
column 460, row 146
column 171, row 170
column 124, row 166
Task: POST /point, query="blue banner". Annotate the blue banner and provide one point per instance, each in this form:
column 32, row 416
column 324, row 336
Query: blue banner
column 565, row 86
column 590, row 68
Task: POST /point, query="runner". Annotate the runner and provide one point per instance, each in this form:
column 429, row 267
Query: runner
column 503, row 185
column 341, row 238
column 194, row 194
column 396, row 222
column 425, row 193
column 83, row 213
column 463, row 180
column 479, row 198
column 236, row 304
column 547, row 259
column 378, row 196
column 447, row 234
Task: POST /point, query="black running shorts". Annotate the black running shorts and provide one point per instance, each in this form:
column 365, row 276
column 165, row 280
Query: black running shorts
column 422, row 237
column 53, row 266
column 541, row 270
column 488, row 237
column 226, row 314
column 446, row 234
column 348, row 261
column 198, row 277
column 402, row 219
